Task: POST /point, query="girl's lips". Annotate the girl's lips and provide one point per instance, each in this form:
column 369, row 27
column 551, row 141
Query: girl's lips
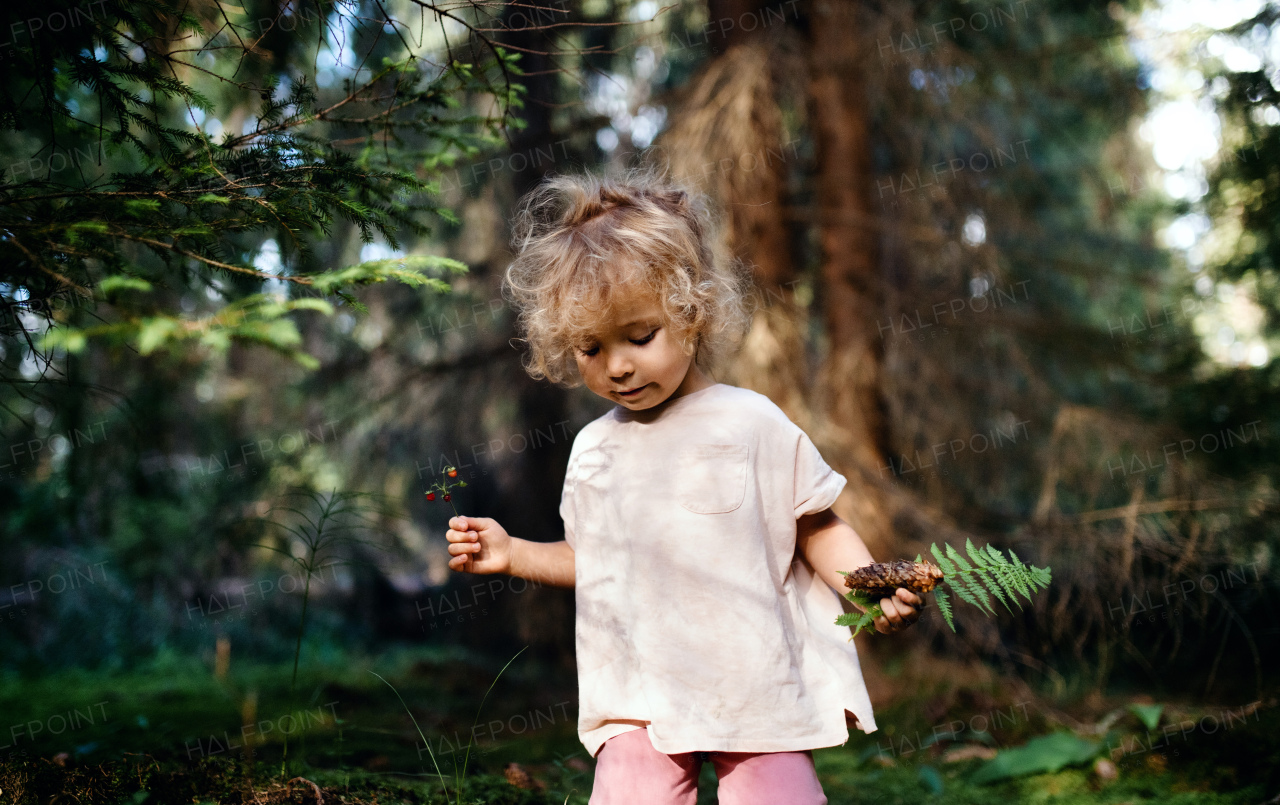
column 633, row 392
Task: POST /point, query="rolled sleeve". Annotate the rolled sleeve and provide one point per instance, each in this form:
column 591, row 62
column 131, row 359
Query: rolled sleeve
column 816, row 485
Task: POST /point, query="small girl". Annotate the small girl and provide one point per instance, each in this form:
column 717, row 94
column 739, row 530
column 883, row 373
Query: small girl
column 699, row 536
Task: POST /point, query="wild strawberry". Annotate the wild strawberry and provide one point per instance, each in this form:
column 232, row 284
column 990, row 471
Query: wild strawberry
column 453, row 473
column 446, row 497
column 431, row 496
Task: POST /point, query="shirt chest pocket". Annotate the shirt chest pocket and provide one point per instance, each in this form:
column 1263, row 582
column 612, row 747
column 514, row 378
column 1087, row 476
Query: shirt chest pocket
column 711, row 478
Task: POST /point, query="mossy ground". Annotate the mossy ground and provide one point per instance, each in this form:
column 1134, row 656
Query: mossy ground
column 172, row 732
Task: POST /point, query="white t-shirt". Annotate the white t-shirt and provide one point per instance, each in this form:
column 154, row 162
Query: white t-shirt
column 696, row 618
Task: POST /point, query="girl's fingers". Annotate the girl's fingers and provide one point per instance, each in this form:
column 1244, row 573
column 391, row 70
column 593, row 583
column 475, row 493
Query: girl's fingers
column 463, row 523
column 461, row 536
column 890, row 608
column 464, row 548
column 900, row 611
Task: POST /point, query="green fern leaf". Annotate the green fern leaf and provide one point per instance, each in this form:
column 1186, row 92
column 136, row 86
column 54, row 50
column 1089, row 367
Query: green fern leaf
column 948, row 569
column 944, row 606
column 1007, row 574
column 860, row 620
column 1018, row 576
column 956, row 583
column 953, row 577
column 860, row 598
column 974, row 588
column 983, row 569
column 1025, row 575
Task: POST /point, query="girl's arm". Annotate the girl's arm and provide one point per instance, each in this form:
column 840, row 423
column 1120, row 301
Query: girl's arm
column 549, row 563
column 829, row 544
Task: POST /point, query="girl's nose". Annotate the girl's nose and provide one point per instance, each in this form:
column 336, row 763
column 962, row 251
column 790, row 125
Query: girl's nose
column 619, row 365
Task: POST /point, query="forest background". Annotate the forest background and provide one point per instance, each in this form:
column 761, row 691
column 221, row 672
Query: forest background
column 1016, row 272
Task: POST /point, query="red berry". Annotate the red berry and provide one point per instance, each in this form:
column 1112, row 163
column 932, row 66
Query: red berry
column 453, row 473
column 431, row 496
column 446, row 497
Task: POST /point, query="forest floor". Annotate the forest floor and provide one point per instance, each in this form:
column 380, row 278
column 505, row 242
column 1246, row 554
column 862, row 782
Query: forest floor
column 175, row 731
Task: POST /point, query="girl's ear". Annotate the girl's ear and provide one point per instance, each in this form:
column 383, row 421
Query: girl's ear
column 691, row 345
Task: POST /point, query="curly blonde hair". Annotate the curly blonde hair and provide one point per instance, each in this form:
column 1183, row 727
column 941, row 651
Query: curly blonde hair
column 585, row 242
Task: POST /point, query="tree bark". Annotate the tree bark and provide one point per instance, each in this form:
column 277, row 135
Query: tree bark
column 543, row 616
column 851, row 298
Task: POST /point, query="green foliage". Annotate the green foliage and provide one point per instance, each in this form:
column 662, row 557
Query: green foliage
column 459, row 774
column 990, row 574
column 181, row 702
column 1245, row 183
column 154, row 201
column 1148, row 714
column 864, row 619
column 1046, row 753
column 338, row 518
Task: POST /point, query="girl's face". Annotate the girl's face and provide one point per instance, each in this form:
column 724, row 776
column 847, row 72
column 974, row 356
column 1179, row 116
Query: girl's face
column 637, row 361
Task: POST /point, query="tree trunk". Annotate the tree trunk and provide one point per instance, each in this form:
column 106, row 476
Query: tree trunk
column 851, row 299
column 543, row 616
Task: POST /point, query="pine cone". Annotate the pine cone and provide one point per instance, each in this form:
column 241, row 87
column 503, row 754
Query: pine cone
column 882, row 578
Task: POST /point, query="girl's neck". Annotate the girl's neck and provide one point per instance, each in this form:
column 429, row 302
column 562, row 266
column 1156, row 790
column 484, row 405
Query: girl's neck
column 694, row 380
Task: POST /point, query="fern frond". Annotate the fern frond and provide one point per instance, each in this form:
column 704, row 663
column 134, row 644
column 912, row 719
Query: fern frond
column 989, row 574
column 975, row 589
column 1017, row 574
column 952, row 576
column 1012, row 578
column 981, row 567
column 860, row 620
column 1009, row 578
column 1033, row 576
column 962, row 590
column 948, row 569
column 944, row 606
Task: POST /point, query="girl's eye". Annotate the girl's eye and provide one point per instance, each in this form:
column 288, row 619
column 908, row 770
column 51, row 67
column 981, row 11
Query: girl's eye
column 589, row 351
column 645, row 340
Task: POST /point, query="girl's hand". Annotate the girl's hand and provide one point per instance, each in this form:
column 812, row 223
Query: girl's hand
column 900, row 611
column 478, row 545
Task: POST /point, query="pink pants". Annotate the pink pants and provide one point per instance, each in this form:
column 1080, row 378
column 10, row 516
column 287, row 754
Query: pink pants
column 629, row 771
